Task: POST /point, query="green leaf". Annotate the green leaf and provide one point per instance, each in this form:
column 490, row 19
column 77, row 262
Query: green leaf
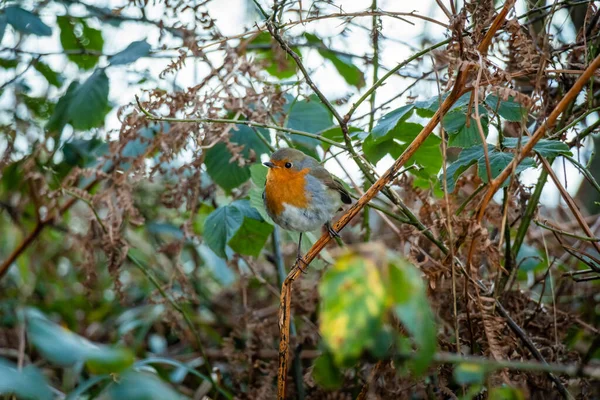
column 467, row 374
column 258, row 173
column 507, row 109
column 389, row 122
column 335, row 133
column 251, row 237
column 134, row 51
column 3, row 23
column 352, row 306
column 505, row 393
column 351, row 73
column 545, row 148
column 200, row 218
column 498, row 161
column 26, row 22
column 395, row 142
column 63, row 347
column 276, row 61
column 8, row 64
column 76, row 35
column 220, row 226
column 411, row 306
column 84, row 152
column 308, row 116
column 29, row 383
column 469, row 136
column 60, row 117
column 326, row 373
column 392, row 143
column 53, row 78
column 40, row 107
column 83, row 106
column 465, row 159
column 104, row 360
column 133, row 385
column 227, row 173
column 89, row 103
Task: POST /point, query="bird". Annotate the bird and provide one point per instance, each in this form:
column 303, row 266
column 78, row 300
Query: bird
column 300, row 194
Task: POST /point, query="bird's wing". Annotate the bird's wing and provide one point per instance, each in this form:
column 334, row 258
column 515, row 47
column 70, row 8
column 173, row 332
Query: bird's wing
column 331, row 182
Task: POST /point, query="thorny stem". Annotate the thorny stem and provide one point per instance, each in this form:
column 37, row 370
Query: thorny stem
column 375, row 44
column 585, row 171
column 565, row 233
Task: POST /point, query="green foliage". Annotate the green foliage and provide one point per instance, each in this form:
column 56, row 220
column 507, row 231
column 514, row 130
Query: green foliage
column 326, row 373
column 77, row 36
column 475, row 155
column 83, row 106
column 468, row 374
column 65, row 348
column 222, row 225
column 351, row 73
column 335, row 133
column 395, row 141
column 389, row 123
column 134, row 385
column 29, row 383
column 410, row 304
column 130, row 54
column 251, row 237
column 53, row 78
column 258, row 173
column 276, row 62
column 225, row 171
column 82, row 152
column 308, row 116
column 544, row 147
column 353, row 300
column 356, row 294
column 25, row 22
column 463, row 134
column 507, row 109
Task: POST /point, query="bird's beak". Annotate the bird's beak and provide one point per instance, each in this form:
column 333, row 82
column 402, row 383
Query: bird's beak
column 269, row 164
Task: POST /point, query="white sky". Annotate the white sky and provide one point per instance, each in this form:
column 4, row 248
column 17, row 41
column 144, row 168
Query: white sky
column 231, row 18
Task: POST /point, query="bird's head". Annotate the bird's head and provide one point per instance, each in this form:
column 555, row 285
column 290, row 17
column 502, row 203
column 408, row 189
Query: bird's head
column 287, row 163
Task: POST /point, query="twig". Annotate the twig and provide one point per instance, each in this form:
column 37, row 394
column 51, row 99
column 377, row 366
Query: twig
column 570, row 202
column 527, row 148
column 29, row 239
column 565, row 233
column 529, row 344
column 153, row 117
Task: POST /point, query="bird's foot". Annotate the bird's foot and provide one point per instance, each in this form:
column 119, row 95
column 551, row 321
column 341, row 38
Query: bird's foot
column 300, row 261
column 332, row 232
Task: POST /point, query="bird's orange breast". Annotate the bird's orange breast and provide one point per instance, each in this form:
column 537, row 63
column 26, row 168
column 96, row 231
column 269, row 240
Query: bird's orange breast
column 286, row 186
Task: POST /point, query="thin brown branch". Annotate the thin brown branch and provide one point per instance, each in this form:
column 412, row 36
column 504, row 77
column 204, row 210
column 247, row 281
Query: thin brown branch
column 286, row 292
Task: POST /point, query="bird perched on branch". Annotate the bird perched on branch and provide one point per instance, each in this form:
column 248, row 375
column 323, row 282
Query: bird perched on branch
column 300, row 194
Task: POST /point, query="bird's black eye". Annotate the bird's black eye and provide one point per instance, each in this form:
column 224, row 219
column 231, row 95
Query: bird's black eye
column 288, row 165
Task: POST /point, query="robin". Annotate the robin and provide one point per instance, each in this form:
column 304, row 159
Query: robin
column 300, row 194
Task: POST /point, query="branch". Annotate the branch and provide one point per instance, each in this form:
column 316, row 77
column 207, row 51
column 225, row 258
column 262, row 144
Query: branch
column 153, row 117
column 286, row 292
